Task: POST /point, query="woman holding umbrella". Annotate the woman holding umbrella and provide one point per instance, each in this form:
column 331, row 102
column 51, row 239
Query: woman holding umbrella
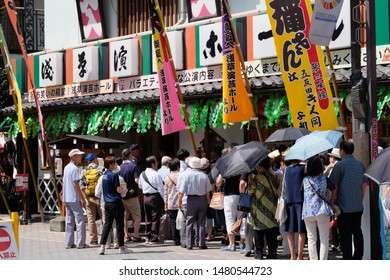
column 294, row 197
column 265, row 197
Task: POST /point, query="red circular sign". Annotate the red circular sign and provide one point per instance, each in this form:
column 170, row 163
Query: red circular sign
column 5, row 240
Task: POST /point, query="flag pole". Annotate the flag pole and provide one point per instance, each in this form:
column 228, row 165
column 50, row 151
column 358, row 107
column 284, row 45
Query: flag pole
column 179, row 93
column 11, row 9
column 243, row 69
column 15, row 95
column 336, row 92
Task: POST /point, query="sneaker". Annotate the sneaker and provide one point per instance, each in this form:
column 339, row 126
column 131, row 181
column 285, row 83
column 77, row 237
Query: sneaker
column 101, row 251
column 242, row 248
column 247, row 254
column 108, row 246
column 83, row 246
column 137, row 239
column 259, row 256
column 70, row 246
column 147, row 241
column 158, row 242
column 116, row 246
column 228, row 248
column 124, row 251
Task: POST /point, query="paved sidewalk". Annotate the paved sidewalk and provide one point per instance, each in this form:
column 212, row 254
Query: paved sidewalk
column 37, row 242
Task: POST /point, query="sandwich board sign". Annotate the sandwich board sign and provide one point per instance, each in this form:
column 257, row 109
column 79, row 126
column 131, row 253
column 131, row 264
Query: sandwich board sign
column 8, row 247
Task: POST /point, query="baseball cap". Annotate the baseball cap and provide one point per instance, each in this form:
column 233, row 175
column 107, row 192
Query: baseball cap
column 90, row 157
column 134, row 147
column 75, row 152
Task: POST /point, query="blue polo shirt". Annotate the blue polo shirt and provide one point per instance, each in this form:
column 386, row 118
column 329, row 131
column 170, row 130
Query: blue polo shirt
column 348, row 175
column 110, row 183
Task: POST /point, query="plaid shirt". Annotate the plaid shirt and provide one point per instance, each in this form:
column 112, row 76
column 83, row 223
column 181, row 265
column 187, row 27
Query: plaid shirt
column 348, row 176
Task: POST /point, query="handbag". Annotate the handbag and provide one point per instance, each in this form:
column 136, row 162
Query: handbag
column 237, row 225
column 217, row 201
column 281, row 208
column 165, row 227
column 244, row 202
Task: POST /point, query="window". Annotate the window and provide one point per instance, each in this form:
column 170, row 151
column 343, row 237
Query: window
column 133, row 16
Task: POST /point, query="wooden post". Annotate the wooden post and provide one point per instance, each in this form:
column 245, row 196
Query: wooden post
column 243, row 70
column 336, row 92
column 179, row 93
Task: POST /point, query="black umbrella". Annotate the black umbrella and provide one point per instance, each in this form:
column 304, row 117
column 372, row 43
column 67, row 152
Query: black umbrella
column 242, row 159
column 379, row 169
column 287, row 134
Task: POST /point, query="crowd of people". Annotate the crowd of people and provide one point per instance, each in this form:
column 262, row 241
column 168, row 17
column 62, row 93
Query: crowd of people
column 323, row 198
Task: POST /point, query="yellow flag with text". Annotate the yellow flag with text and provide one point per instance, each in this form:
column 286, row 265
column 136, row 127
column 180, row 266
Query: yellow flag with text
column 237, row 106
column 302, row 65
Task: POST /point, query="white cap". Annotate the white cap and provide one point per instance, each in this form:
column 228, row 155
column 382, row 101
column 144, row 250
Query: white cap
column 75, row 152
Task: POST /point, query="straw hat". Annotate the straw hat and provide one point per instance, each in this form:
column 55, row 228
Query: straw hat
column 335, row 153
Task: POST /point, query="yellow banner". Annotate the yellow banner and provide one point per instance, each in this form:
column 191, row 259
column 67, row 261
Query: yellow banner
column 237, row 106
column 302, row 65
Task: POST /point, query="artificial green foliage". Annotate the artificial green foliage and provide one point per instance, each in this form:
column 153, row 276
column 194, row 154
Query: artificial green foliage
column 116, row 116
column 144, row 119
column 289, row 118
column 383, row 99
column 32, row 126
column 204, row 114
column 194, row 118
column 128, row 117
column 54, row 123
column 215, row 115
column 273, row 109
column 157, row 118
column 95, row 121
column 342, row 94
column 71, row 121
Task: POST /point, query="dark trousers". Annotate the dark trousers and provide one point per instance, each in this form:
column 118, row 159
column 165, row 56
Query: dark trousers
column 271, row 236
column 154, row 206
column 175, row 233
column 114, row 211
column 196, row 212
column 350, row 225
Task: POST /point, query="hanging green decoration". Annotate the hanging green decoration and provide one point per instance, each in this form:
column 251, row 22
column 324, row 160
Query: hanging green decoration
column 194, row 118
column 116, row 116
column 71, row 121
column 57, row 124
column 245, row 123
column 128, row 117
column 203, row 115
column 144, row 119
column 95, row 120
column 157, row 118
column 32, row 126
column 289, row 118
column 268, row 110
column 215, row 115
column 383, row 99
column 274, row 106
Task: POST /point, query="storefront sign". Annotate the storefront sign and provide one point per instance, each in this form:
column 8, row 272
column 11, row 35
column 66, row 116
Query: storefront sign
column 186, row 77
column 51, row 69
column 21, row 182
column 85, row 64
column 74, row 90
column 210, row 44
column 176, row 43
column 124, row 58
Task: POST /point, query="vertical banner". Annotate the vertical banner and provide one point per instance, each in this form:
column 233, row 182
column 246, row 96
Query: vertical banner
column 11, row 10
column 171, row 120
column 323, row 22
column 14, row 87
column 302, row 65
column 237, row 106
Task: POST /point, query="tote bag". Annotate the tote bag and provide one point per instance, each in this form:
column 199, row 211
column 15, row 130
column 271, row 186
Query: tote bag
column 217, row 201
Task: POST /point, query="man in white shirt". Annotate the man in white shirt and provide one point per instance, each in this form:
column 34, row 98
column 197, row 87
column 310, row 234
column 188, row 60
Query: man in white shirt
column 164, row 169
column 151, row 184
column 74, row 201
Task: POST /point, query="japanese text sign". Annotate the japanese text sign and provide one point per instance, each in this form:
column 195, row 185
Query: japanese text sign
column 302, row 65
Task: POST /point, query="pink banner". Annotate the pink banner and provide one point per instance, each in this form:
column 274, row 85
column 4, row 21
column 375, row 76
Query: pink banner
column 171, row 120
